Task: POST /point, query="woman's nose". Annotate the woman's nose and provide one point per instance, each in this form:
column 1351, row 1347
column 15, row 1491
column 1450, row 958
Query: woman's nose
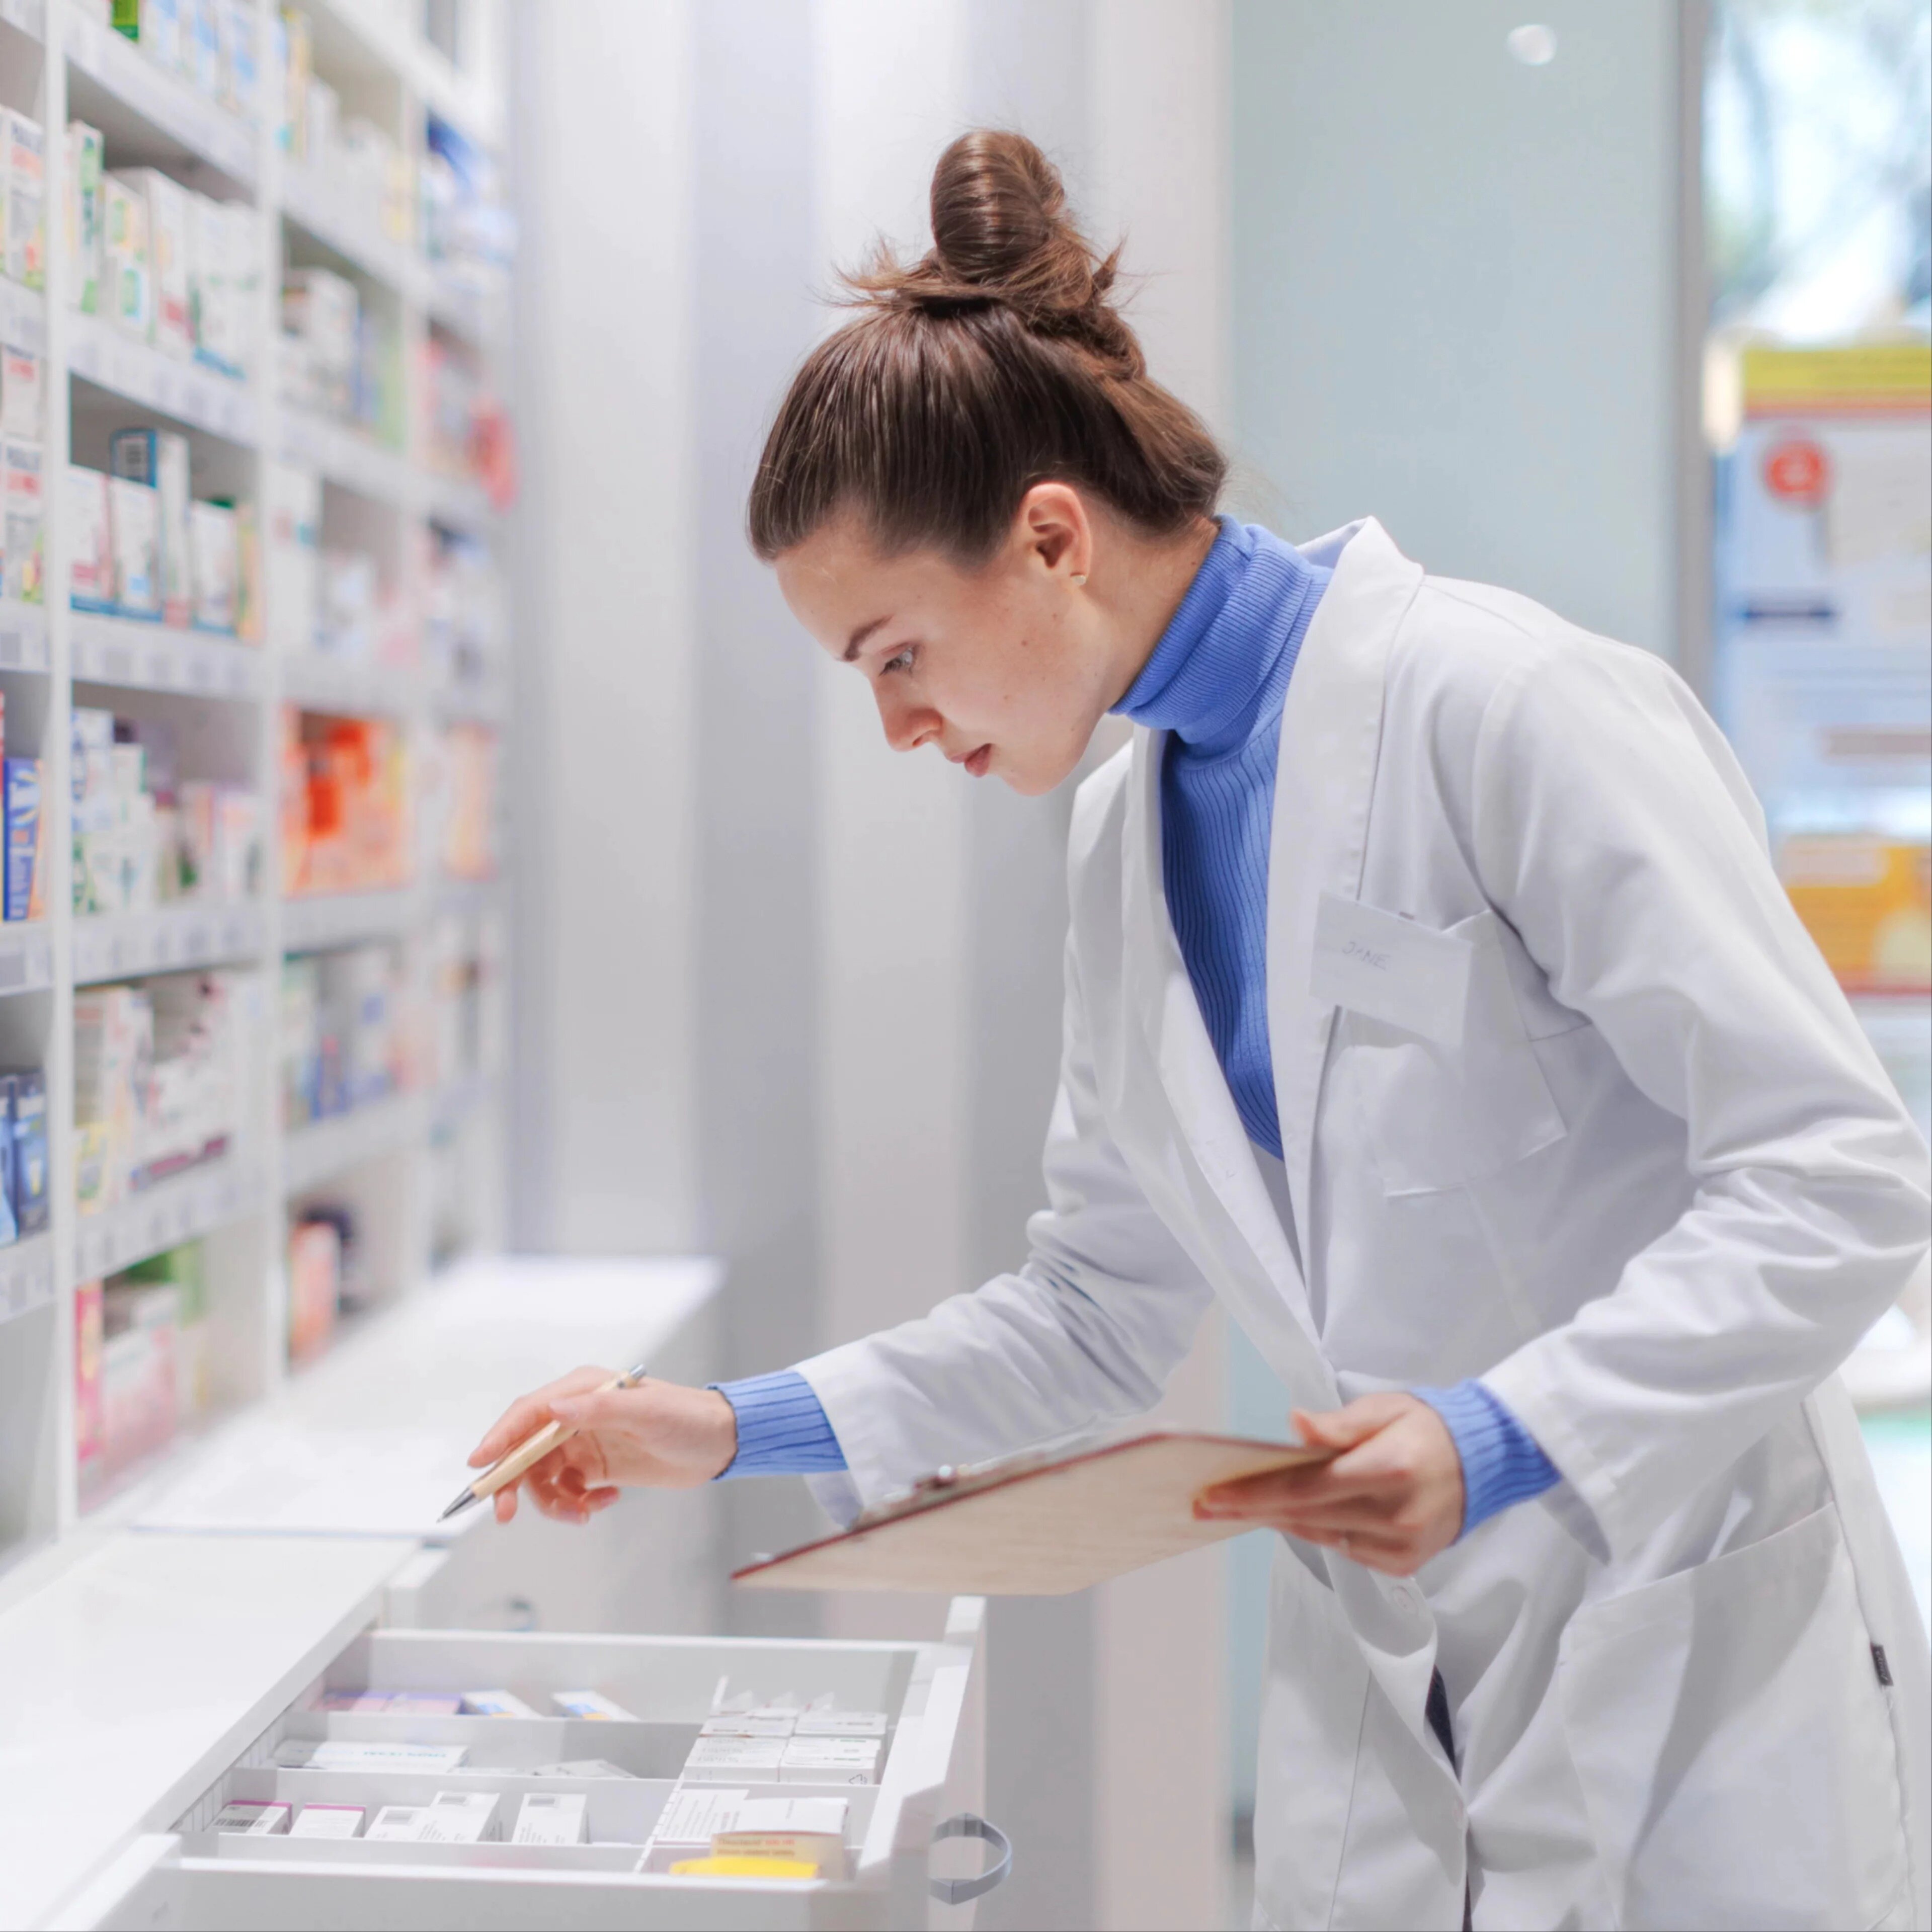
column 908, row 726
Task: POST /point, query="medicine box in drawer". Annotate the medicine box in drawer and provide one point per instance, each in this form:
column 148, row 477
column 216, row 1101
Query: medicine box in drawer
column 438, row 1778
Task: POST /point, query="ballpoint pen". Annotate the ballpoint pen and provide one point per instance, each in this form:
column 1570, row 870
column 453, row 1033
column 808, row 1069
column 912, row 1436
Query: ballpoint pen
column 532, row 1450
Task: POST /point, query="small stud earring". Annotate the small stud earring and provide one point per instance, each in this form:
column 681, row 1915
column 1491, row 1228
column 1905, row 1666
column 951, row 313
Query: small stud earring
column 1079, row 576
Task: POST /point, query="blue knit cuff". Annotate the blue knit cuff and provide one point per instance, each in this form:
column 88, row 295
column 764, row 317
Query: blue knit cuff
column 1501, row 1463
column 782, row 1428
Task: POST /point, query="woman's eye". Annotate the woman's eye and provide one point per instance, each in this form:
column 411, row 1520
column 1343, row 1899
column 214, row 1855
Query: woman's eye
column 901, row 660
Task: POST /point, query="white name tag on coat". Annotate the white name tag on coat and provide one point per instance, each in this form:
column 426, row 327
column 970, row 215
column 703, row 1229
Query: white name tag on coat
column 1391, row 968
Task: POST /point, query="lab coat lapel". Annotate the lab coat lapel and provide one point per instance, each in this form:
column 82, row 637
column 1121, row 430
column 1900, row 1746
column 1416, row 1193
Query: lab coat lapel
column 1330, row 737
column 1262, row 1277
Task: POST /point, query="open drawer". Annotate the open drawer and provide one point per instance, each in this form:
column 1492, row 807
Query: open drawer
column 632, row 1772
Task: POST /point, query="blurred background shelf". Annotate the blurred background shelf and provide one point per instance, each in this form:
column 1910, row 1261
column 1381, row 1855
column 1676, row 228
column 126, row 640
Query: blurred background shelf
column 143, row 656
column 322, row 1149
column 174, row 939
column 164, row 1215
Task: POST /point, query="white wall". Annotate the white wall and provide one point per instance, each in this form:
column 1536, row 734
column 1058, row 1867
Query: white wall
column 1455, row 288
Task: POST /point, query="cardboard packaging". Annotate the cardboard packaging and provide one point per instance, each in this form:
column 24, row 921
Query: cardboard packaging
column 733, row 1760
column 90, row 1431
column 215, row 567
column 830, row 1761
column 458, row 1818
column 91, row 585
column 24, row 511
column 26, row 164
column 20, row 393
column 28, row 1112
column 128, row 276
column 86, row 216
column 292, row 510
column 166, row 204
column 327, row 1821
column 241, row 61
column 552, row 1818
column 253, row 1817
column 134, row 522
column 159, row 459
column 22, row 780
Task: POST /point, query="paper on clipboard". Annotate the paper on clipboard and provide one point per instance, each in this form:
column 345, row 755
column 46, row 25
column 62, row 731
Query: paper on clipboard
column 1035, row 1526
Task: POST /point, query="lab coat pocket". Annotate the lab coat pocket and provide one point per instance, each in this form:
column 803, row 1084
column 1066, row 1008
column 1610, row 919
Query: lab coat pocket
column 1733, row 1742
column 1439, row 1116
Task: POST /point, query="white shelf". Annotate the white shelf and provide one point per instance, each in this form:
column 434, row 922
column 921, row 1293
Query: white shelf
column 26, row 1275
column 319, row 1152
column 29, row 16
column 349, row 686
column 166, row 103
column 112, row 359
column 23, row 316
column 316, row 204
column 143, row 656
column 26, row 956
column 344, row 919
column 179, row 1209
column 172, row 939
column 345, row 456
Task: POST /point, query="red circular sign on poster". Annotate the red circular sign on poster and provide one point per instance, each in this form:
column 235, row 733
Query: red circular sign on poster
column 1799, row 471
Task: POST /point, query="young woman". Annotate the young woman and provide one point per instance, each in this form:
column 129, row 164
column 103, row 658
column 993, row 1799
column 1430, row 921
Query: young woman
column 1431, row 1000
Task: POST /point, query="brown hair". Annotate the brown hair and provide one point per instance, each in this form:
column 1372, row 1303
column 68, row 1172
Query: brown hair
column 996, row 362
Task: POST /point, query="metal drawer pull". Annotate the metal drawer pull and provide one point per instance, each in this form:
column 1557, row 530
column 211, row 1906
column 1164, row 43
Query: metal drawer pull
column 960, row 1890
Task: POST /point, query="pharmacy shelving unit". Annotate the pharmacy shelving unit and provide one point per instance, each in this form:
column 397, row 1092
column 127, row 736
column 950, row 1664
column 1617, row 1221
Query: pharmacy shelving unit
column 391, row 1160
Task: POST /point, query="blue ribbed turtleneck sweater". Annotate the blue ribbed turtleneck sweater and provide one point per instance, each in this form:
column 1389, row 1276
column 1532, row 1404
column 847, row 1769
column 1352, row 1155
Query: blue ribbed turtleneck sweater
column 1215, row 682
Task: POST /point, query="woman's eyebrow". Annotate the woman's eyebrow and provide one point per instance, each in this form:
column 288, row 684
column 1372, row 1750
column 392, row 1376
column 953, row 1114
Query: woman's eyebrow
column 858, row 636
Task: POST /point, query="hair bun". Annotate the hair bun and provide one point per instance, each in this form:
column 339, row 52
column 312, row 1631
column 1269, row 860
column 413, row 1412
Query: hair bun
column 1001, row 233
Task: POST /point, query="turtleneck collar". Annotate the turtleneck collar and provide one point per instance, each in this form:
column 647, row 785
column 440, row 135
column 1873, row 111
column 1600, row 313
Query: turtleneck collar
column 1217, row 661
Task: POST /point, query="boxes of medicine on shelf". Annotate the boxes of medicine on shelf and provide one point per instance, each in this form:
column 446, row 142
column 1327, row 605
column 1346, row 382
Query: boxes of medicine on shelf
column 182, row 1269
column 21, row 489
column 327, row 1821
column 135, row 529
column 159, row 458
column 25, row 839
column 167, row 257
column 315, row 1286
column 1866, row 901
column 140, row 1403
column 346, row 621
column 90, row 1433
column 293, row 552
column 86, row 217
column 91, row 567
column 830, row 1761
column 551, row 1818
column 23, row 1118
column 20, row 394
column 155, row 27
column 215, row 567
column 320, row 312
column 127, row 278
column 591, row 1705
column 23, row 154
column 252, row 1817
column 716, row 1760
column 496, row 1704
column 812, row 1829
column 346, row 823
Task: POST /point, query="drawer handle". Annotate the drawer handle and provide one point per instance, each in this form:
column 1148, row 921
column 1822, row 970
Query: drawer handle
column 960, row 1891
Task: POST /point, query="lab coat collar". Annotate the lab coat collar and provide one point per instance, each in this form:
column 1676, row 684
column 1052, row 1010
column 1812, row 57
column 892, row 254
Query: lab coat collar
column 1331, row 727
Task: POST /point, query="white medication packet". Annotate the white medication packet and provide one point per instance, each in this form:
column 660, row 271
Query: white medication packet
column 840, row 1724
column 726, row 1760
column 830, row 1761
column 593, row 1705
column 693, row 1816
column 328, row 1821
column 750, row 1724
column 458, row 1817
column 1393, row 969
column 398, row 1823
column 496, row 1704
column 551, row 1818
column 811, row 1828
column 254, row 1817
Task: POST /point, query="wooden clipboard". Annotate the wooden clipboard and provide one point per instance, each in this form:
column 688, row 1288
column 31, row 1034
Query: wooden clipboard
column 1035, row 1526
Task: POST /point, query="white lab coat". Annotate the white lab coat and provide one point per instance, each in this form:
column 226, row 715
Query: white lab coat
column 1653, row 1195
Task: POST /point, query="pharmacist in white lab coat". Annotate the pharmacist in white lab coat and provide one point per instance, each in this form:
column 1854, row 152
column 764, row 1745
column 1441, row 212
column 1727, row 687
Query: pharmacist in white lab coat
column 1430, row 999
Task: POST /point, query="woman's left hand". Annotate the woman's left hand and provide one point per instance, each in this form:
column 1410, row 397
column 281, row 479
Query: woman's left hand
column 1390, row 1499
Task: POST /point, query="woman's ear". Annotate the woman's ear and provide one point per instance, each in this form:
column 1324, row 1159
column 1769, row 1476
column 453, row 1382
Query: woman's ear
column 1053, row 530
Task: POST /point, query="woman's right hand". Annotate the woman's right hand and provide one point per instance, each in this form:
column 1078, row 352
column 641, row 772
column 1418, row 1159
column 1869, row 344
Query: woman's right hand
column 657, row 1434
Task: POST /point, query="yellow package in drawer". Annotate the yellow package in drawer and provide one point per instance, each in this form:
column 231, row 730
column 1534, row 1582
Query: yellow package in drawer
column 1867, row 901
